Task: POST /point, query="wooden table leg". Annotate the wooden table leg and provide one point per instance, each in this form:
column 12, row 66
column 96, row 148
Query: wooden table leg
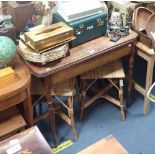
column 130, row 74
column 48, row 97
column 149, row 77
column 28, row 109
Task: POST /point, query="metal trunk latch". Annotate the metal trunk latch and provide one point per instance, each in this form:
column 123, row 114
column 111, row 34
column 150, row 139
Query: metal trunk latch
column 80, row 30
column 100, row 22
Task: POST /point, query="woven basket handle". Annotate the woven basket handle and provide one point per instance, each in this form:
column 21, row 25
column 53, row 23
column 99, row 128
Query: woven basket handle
column 149, row 95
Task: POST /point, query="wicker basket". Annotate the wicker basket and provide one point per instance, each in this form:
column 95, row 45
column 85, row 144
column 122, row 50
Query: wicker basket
column 150, row 28
column 60, row 89
column 110, row 70
column 140, row 17
column 48, row 56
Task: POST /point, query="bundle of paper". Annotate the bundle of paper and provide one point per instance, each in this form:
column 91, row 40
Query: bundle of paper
column 49, row 36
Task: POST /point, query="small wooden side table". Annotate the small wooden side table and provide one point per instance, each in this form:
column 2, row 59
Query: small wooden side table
column 18, row 91
column 83, row 58
column 30, row 141
column 108, row 145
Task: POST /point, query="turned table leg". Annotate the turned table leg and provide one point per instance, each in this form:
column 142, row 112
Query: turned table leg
column 48, row 97
column 130, row 74
column 28, row 109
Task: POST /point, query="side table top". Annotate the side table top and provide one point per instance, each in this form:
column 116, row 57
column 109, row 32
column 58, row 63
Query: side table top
column 81, row 53
column 23, row 79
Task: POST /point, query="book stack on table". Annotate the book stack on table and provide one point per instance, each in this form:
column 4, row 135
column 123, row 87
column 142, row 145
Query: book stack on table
column 46, row 44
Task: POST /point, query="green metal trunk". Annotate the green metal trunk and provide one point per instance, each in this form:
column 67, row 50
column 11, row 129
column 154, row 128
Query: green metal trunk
column 86, row 28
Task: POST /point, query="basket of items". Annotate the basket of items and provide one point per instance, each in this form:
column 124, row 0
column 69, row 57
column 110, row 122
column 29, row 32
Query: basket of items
column 140, row 16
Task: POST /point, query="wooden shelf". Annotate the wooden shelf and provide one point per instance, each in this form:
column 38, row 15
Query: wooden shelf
column 11, row 121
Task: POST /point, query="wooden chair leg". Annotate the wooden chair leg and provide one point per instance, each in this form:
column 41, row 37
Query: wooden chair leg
column 52, row 122
column 48, row 97
column 34, row 106
column 121, row 100
column 36, row 100
column 82, row 99
column 70, row 104
column 149, row 77
column 77, row 92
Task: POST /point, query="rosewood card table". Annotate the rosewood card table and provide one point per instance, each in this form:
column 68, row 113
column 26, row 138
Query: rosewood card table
column 83, row 58
column 18, row 91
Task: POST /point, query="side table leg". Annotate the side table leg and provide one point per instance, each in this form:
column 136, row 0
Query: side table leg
column 28, row 109
column 149, row 77
column 48, row 97
column 130, row 74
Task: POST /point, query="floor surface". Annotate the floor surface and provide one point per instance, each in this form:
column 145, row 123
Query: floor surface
column 136, row 133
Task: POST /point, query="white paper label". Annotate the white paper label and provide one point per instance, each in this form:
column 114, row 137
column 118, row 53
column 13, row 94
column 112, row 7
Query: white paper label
column 14, row 141
column 14, row 149
column 121, row 83
column 92, row 51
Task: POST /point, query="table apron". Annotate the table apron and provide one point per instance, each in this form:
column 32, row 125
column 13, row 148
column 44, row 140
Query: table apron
column 11, row 101
column 90, row 64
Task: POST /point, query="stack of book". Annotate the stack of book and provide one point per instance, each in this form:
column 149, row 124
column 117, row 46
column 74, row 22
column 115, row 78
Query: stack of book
column 47, row 43
column 7, row 76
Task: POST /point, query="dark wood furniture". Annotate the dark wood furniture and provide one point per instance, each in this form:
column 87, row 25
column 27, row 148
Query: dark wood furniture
column 108, row 145
column 83, row 58
column 18, row 91
column 30, row 141
column 20, row 13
